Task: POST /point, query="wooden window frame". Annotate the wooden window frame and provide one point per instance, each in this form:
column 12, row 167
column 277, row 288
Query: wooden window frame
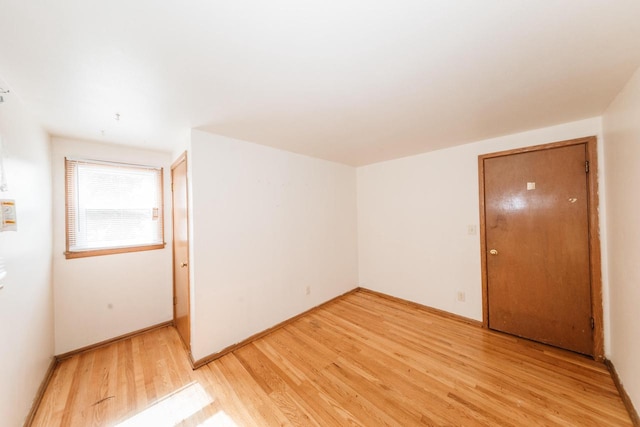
column 69, row 205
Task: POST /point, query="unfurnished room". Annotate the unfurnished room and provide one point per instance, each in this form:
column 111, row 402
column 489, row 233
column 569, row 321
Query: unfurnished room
column 306, row 213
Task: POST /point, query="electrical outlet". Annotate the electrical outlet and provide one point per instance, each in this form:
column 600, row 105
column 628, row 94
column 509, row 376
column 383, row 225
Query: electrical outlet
column 460, row 296
column 307, row 290
column 472, row 229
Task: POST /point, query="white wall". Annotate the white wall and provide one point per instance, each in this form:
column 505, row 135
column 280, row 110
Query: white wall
column 266, row 224
column 98, row 298
column 26, row 302
column 621, row 126
column 413, row 218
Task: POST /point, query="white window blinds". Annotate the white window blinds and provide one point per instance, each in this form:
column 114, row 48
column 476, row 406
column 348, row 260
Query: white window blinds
column 112, row 206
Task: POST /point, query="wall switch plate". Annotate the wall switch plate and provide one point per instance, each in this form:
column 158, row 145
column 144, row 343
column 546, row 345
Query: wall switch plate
column 460, row 296
column 472, row 229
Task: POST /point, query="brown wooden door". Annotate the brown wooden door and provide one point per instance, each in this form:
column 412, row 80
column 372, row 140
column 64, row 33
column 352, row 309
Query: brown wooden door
column 537, row 239
column 181, row 249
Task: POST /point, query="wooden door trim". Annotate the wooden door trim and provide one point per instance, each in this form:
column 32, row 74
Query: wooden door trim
column 181, row 159
column 595, row 266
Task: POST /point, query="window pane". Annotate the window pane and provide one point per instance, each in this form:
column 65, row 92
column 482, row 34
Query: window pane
column 113, row 206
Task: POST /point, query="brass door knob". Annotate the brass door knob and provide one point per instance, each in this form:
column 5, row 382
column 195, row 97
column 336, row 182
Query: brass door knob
column 184, row 264
column 493, row 252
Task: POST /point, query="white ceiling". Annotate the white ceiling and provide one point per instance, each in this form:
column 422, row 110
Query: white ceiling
column 354, row 81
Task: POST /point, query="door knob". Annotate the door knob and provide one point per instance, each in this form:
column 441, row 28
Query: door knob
column 184, row 264
column 493, row 252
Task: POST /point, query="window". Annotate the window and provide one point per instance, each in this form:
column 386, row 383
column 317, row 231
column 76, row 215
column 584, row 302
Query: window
column 112, row 208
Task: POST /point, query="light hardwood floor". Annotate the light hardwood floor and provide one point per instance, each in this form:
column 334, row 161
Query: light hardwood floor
column 360, row 360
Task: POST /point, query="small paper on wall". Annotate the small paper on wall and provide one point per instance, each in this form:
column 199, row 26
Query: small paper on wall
column 8, row 218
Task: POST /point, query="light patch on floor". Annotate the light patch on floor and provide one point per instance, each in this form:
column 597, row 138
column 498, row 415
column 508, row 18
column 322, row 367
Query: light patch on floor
column 219, row 419
column 174, row 408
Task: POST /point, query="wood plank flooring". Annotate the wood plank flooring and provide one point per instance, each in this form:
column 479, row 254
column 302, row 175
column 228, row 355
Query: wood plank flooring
column 360, row 360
